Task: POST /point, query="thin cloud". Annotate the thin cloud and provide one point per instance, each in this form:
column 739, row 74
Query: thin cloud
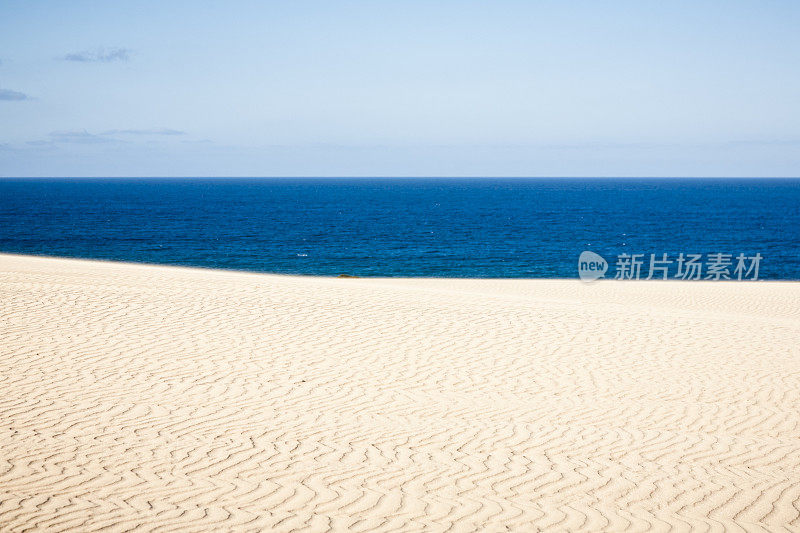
column 100, row 55
column 85, row 137
column 765, row 142
column 8, row 95
column 153, row 131
column 78, row 137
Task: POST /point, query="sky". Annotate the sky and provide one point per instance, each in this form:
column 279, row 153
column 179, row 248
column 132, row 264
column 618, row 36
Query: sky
column 400, row 88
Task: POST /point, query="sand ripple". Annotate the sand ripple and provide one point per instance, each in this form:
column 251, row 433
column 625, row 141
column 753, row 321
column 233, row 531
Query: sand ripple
column 152, row 399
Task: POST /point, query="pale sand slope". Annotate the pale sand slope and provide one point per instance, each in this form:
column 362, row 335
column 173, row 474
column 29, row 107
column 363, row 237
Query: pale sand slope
column 142, row 398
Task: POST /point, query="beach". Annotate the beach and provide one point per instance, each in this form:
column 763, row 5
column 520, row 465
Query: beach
column 139, row 397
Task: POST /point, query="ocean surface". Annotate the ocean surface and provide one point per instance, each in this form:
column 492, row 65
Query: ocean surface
column 486, row 228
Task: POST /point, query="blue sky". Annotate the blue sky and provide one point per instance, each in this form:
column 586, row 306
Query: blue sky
column 402, row 88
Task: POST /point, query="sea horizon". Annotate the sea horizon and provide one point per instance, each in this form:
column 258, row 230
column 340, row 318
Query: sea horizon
column 454, row 227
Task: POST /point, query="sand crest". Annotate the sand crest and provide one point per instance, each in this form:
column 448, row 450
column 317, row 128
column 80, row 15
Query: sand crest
column 142, row 397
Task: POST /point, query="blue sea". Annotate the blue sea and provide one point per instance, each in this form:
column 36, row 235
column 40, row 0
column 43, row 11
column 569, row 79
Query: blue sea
column 482, row 228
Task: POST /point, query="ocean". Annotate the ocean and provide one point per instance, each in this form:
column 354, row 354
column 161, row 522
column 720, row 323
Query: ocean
column 442, row 227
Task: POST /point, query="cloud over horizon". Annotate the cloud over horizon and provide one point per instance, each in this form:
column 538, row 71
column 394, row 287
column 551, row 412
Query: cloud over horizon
column 151, row 131
column 9, row 95
column 99, row 55
column 83, row 136
column 78, row 137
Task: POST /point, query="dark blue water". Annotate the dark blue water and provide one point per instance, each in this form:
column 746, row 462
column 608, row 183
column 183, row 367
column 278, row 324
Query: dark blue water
column 402, row 227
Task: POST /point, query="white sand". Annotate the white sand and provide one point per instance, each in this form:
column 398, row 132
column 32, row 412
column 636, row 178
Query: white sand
column 140, row 397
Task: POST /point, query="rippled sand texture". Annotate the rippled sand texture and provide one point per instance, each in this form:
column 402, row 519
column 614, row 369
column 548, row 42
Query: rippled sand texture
column 143, row 398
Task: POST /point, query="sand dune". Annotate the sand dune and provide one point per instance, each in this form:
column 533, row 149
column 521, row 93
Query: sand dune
column 155, row 398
